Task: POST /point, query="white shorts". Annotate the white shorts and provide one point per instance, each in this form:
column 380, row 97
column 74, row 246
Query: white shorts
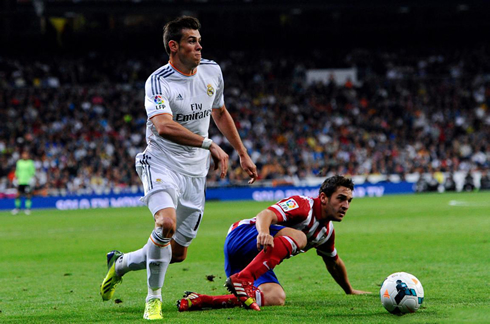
column 165, row 188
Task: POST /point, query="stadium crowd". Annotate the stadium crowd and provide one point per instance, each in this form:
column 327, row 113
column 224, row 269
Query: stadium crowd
column 83, row 119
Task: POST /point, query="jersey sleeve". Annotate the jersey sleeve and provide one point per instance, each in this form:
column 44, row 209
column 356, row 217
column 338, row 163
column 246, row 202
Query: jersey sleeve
column 294, row 209
column 157, row 97
column 328, row 249
column 219, row 100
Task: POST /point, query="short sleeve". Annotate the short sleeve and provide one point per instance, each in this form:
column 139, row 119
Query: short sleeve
column 328, row 249
column 219, row 100
column 156, row 97
column 293, row 209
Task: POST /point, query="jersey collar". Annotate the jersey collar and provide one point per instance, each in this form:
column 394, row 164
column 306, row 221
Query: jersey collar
column 185, row 74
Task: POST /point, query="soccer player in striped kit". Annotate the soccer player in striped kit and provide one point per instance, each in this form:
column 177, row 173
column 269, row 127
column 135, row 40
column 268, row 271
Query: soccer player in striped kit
column 180, row 99
column 253, row 247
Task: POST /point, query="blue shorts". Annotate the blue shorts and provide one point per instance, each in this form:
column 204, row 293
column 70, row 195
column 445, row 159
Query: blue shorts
column 241, row 249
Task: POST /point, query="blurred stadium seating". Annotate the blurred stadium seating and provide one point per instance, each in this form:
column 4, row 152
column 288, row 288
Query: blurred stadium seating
column 419, row 103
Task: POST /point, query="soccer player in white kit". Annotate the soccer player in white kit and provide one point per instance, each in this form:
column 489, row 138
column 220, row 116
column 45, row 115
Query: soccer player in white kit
column 180, row 99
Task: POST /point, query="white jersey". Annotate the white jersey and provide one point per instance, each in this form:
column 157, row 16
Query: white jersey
column 190, row 100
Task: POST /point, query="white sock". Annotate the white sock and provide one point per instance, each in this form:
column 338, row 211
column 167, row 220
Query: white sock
column 131, row 261
column 158, row 256
column 259, row 297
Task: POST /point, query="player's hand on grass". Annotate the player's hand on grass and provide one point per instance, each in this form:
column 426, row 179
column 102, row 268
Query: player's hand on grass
column 220, row 159
column 359, row 292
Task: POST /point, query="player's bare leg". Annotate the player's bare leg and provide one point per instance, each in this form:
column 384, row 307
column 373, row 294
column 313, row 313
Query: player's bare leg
column 272, row 294
column 179, row 252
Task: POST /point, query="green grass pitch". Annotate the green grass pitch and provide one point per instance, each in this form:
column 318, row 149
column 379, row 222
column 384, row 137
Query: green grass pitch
column 52, row 263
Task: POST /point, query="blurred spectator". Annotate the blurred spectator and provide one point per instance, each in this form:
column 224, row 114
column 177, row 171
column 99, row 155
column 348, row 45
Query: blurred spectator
column 449, row 183
column 432, row 183
column 408, row 113
column 421, row 185
column 469, row 184
column 485, row 181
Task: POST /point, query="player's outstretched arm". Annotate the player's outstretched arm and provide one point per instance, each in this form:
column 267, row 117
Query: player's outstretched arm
column 249, row 167
column 339, row 273
column 227, row 127
column 264, row 220
column 220, row 159
column 177, row 133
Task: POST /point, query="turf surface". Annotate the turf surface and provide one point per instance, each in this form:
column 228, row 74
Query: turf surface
column 52, row 263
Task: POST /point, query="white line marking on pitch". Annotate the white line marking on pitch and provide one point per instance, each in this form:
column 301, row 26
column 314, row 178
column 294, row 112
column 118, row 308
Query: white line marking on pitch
column 467, row 203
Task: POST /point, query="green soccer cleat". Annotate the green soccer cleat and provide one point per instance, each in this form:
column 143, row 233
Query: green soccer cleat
column 153, row 309
column 111, row 280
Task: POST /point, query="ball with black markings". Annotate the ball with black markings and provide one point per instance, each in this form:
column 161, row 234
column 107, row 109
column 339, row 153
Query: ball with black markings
column 401, row 293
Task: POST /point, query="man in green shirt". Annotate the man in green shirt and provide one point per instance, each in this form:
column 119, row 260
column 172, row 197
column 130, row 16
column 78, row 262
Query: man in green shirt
column 24, row 174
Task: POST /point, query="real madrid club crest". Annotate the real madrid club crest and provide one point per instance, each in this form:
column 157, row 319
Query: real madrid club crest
column 210, row 91
column 159, row 102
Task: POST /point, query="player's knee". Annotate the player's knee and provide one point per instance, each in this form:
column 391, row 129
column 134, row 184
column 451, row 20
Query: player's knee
column 167, row 224
column 281, row 300
column 297, row 236
column 300, row 239
column 276, row 298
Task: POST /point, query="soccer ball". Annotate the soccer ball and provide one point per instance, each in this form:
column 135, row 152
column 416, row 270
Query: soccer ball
column 401, row 293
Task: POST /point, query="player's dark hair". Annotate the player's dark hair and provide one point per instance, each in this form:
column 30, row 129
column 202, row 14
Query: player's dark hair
column 331, row 184
column 173, row 29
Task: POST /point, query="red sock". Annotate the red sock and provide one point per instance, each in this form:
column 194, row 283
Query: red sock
column 223, row 301
column 265, row 261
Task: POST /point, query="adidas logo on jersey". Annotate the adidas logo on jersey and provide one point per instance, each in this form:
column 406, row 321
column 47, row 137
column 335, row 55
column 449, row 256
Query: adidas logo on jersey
column 179, row 97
